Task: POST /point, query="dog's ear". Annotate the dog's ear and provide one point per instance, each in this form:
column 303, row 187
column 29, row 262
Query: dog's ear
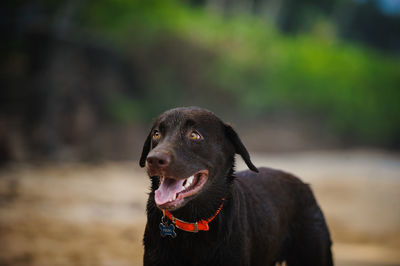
column 145, row 151
column 239, row 147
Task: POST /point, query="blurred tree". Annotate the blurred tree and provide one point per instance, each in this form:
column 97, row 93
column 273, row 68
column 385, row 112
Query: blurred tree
column 365, row 22
column 79, row 74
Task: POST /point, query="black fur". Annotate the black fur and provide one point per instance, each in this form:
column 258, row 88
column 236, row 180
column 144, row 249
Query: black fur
column 268, row 215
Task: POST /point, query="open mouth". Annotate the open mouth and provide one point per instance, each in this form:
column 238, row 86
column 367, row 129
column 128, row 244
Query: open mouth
column 172, row 192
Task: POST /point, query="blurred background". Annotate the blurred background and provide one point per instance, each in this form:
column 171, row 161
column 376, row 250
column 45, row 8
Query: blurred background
column 311, row 86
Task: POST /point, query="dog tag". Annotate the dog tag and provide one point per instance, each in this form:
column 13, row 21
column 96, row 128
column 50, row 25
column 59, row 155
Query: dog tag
column 167, row 230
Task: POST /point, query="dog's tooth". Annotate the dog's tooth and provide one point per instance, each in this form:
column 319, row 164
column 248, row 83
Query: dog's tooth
column 174, row 197
column 190, row 180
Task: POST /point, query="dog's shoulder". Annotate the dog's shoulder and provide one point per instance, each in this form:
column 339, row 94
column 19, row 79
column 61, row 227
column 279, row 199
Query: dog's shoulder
column 278, row 184
column 268, row 175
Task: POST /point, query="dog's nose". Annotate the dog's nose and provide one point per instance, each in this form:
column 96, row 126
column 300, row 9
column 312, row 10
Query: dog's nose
column 158, row 159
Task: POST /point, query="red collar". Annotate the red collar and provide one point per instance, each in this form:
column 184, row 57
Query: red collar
column 201, row 225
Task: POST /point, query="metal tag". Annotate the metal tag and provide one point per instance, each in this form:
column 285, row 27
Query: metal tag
column 166, row 229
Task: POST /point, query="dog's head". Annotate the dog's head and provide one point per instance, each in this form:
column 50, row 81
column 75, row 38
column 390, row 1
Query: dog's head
column 189, row 151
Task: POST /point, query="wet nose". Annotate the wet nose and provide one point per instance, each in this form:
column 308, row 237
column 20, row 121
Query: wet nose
column 158, row 159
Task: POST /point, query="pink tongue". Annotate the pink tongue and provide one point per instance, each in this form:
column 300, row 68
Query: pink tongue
column 168, row 188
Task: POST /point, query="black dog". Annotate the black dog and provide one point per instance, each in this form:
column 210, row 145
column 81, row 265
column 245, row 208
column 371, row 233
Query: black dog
column 200, row 212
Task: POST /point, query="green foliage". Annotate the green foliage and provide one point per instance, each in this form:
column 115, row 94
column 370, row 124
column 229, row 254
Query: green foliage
column 124, row 109
column 352, row 90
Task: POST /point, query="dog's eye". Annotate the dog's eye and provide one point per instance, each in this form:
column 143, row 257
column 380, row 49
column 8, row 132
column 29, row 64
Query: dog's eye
column 194, row 135
column 156, row 135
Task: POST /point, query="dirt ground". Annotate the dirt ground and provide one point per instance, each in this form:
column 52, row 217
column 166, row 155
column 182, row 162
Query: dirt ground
column 77, row 214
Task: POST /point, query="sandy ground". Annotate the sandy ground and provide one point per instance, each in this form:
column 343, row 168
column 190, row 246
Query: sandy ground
column 76, row 214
